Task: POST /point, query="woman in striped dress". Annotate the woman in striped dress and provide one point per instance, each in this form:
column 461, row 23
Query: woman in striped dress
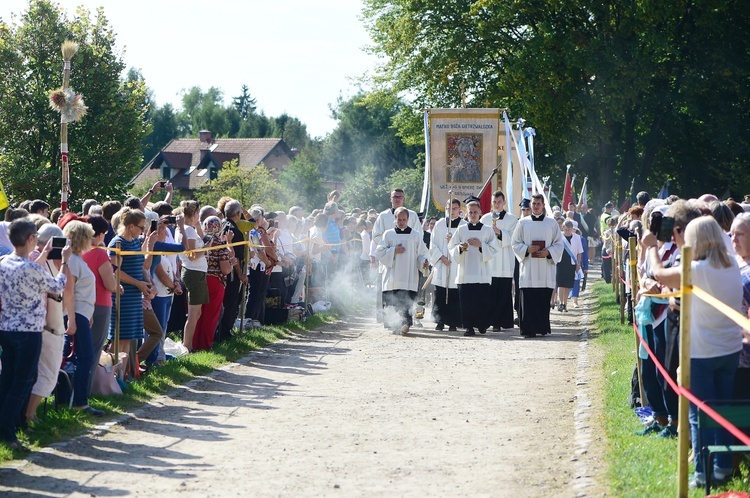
column 132, row 225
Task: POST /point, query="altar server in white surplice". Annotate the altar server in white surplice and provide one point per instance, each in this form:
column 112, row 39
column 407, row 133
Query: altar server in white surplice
column 503, row 224
column 403, row 255
column 446, row 310
column 537, row 244
column 473, row 247
column 386, row 220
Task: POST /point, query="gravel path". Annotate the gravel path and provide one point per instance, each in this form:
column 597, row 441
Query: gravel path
column 354, row 410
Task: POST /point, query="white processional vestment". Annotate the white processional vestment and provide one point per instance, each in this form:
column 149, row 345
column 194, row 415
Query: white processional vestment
column 473, row 264
column 443, row 276
column 537, row 272
column 504, row 262
column 401, row 271
column 387, row 220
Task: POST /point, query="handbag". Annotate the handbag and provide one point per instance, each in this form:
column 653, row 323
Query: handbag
column 104, row 382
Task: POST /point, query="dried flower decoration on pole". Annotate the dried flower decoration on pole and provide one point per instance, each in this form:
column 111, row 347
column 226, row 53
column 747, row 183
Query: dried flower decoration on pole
column 69, row 104
column 72, row 109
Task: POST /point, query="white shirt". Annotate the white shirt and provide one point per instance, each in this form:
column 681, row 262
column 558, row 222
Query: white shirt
column 199, row 264
column 366, row 240
column 713, row 334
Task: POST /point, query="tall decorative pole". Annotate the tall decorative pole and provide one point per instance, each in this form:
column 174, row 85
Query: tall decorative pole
column 72, row 109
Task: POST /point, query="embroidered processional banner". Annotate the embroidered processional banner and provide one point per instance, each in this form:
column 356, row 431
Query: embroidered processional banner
column 466, row 145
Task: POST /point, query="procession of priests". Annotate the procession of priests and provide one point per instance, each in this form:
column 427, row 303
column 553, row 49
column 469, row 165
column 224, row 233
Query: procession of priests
column 473, row 260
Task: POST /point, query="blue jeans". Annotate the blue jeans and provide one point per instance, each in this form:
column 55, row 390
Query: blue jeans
column 19, row 359
column 651, row 385
column 162, row 308
column 711, row 379
column 84, row 353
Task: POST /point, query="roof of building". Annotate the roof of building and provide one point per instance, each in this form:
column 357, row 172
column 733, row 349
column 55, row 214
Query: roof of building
column 188, row 158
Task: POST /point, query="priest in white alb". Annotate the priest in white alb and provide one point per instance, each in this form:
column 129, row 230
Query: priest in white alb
column 537, row 245
column 402, row 253
column 473, row 247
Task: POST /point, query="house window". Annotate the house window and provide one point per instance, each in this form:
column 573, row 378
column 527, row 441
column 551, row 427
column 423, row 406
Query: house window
column 203, row 172
column 190, row 171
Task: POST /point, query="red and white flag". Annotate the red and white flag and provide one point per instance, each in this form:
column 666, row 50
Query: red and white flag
column 568, row 190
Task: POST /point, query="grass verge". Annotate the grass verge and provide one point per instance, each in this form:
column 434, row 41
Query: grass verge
column 58, row 425
column 638, row 466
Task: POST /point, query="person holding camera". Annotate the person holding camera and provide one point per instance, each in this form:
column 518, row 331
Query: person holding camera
column 661, row 397
column 194, row 268
column 24, row 285
column 715, row 340
column 131, row 228
column 219, row 266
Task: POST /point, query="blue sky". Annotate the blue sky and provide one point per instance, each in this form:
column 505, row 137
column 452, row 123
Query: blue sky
column 296, row 56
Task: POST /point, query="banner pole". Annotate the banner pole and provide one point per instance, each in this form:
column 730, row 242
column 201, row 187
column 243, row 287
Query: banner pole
column 683, row 443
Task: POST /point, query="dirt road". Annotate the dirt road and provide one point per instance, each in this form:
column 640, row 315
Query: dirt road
column 354, row 410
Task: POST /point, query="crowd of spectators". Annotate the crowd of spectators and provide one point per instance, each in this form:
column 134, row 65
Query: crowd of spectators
column 188, row 269
column 717, row 232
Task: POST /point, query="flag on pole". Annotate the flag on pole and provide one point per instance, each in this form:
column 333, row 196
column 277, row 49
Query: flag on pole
column 3, row 198
column 572, row 192
column 568, row 190
column 630, row 199
column 664, row 192
column 584, row 193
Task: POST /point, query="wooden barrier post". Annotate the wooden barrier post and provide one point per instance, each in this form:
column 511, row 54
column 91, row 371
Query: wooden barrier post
column 615, row 283
column 244, row 287
column 683, row 443
column 620, row 278
column 632, row 266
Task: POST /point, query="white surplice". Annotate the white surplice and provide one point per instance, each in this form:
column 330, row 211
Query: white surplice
column 443, row 276
column 537, row 272
column 401, row 271
column 473, row 264
column 503, row 264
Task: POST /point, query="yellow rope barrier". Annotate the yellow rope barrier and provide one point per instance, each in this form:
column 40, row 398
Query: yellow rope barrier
column 214, row 248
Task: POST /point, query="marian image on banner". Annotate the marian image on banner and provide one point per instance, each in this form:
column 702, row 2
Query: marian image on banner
column 464, row 153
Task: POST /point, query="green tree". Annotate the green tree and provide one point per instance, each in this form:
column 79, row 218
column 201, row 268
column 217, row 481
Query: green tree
column 410, row 180
column 365, row 135
column 206, row 111
column 244, row 103
column 164, row 127
column 257, row 186
column 105, row 147
column 301, row 182
column 624, row 90
column 365, row 190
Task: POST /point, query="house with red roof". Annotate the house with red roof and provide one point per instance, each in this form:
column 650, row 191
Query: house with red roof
column 190, row 162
